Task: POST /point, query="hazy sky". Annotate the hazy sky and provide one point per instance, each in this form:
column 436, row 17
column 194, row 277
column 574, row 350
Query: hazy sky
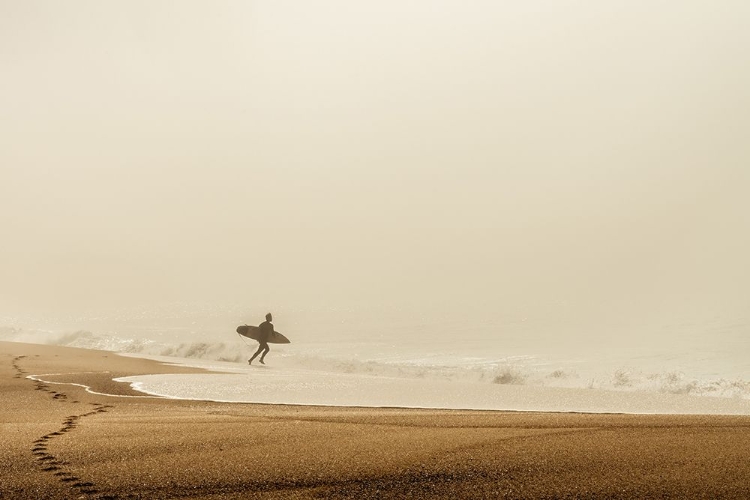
column 525, row 153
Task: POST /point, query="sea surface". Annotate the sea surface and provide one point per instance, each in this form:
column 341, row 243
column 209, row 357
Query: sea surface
column 389, row 356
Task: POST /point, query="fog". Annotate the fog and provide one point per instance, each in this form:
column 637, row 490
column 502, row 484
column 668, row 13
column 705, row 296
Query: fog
column 585, row 159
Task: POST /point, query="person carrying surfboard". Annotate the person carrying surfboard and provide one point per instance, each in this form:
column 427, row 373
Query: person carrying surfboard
column 266, row 330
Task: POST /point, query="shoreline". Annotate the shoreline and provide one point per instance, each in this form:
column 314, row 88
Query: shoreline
column 65, row 442
column 514, row 398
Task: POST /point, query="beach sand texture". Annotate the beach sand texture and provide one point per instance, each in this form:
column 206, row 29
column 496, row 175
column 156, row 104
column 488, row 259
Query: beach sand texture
column 62, row 441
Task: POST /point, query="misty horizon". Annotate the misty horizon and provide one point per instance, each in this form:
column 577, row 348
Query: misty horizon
column 587, row 160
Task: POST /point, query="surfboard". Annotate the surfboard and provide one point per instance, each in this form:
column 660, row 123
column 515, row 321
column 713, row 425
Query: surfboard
column 253, row 332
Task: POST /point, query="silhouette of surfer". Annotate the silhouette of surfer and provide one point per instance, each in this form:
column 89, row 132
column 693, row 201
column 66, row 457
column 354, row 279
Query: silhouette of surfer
column 266, row 330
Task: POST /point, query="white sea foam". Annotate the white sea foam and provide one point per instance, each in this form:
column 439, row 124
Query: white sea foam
column 284, row 383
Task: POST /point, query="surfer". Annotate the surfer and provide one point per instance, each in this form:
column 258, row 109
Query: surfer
column 266, row 330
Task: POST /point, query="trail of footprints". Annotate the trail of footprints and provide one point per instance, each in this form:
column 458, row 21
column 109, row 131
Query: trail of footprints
column 47, row 461
column 20, row 372
column 40, row 386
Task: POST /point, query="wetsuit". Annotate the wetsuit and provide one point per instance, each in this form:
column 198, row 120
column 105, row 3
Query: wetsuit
column 266, row 329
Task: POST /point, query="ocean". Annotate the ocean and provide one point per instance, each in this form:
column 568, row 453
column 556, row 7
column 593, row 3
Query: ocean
column 388, row 356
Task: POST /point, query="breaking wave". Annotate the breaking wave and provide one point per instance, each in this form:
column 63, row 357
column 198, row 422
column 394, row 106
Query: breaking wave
column 510, row 371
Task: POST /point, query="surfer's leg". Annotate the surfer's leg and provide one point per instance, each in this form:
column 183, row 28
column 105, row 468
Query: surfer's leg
column 260, row 348
column 265, row 351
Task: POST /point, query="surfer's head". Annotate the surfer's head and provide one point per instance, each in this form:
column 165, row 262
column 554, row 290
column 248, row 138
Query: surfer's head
column 269, row 317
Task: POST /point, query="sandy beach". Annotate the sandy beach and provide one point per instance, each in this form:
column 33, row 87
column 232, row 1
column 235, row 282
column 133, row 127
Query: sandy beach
column 69, row 431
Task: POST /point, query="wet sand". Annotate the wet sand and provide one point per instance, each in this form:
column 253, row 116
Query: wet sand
column 61, row 441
